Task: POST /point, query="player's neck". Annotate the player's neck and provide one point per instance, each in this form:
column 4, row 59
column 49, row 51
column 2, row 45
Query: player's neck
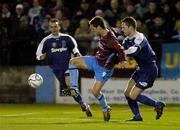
column 104, row 32
column 56, row 34
column 133, row 33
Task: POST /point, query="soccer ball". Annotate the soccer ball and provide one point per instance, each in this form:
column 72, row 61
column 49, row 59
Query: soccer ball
column 35, row 80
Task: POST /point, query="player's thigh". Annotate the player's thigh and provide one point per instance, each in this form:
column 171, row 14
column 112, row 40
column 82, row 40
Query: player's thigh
column 129, row 86
column 146, row 77
column 102, row 74
column 59, row 75
column 78, row 62
column 135, row 91
column 97, row 86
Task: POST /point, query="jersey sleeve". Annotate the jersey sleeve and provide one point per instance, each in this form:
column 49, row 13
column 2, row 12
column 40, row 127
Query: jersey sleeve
column 138, row 45
column 119, row 49
column 73, row 46
column 41, row 49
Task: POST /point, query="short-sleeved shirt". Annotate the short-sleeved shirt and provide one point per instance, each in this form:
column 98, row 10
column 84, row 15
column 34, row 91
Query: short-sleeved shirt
column 58, row 49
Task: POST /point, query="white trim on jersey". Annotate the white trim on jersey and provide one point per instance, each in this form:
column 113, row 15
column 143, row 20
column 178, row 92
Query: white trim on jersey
column 40, row 47
column 75, row 49
column 131, row 50
column 139, row 37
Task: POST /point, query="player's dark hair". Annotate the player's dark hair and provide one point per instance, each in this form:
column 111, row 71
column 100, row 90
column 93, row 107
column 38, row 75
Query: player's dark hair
column 130, row 21
column 54, row 20
column 97, row 21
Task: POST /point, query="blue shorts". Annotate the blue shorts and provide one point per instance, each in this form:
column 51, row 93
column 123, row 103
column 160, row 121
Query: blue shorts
column 60, row 75
column 101, row 73
column 145, row 76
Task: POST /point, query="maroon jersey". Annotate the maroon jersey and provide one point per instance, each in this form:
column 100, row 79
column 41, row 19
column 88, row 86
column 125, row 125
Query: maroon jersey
column 110, row 52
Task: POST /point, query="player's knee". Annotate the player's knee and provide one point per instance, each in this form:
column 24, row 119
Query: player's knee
column 126, row 93
column 131, row 96
column 95, row 93
column 72, row 61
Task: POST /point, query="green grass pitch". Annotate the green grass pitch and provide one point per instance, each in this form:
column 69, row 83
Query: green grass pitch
column 70, row 117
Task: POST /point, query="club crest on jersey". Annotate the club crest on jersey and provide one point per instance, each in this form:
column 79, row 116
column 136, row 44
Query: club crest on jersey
column 54, row 45
column 63, row 43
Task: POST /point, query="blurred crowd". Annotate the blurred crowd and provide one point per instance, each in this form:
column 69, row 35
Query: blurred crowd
column 24, row 23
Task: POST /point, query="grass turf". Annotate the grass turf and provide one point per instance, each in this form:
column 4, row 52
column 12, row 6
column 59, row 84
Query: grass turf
column 70, row 117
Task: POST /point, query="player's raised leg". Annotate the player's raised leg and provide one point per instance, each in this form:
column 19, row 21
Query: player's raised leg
column 73, row 90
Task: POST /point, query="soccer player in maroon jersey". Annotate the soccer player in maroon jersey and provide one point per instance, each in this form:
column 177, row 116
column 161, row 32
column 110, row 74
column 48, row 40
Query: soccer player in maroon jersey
column 109, row 53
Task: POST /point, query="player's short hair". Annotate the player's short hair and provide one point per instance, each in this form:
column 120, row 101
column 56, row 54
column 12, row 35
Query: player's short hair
column 130, row 21
column 97, row 21
column 54, row 20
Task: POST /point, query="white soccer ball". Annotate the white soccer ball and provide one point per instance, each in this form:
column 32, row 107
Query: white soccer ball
column 35, row 80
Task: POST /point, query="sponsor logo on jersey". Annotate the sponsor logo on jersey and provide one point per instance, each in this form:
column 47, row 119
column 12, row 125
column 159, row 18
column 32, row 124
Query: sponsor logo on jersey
column 58, row 49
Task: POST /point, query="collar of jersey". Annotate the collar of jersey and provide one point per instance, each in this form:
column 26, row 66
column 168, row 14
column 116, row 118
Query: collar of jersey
column 56, row 36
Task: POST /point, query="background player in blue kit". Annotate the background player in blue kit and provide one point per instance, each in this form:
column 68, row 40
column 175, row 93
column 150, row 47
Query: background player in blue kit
column 58, row 48
column 102, row 63
column 137, row 46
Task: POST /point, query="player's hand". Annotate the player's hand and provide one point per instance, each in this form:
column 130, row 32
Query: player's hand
column 123, row 64
column 77, row 54
column 42, row 57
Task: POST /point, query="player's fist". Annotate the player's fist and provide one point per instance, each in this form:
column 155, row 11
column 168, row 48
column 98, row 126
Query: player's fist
column 123, row 64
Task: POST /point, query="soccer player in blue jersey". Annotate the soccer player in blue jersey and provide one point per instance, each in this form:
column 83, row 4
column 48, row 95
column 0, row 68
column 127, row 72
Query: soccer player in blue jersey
column 137, row 46
column 58, row 48
column 102, row 63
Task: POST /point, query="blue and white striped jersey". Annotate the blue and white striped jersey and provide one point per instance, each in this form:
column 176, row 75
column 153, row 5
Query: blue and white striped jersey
column 139, row 48
column 58, row 49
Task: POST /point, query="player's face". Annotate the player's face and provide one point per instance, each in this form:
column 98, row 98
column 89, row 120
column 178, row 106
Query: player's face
column 126, row 29
column 54, row 28
column 93, row 29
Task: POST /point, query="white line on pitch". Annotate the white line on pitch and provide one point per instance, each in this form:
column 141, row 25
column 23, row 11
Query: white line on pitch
column 18, row 114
